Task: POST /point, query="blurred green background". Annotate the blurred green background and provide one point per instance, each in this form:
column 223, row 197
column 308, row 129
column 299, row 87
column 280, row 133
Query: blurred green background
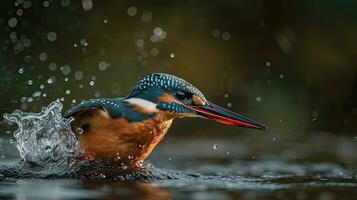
column 288, row 64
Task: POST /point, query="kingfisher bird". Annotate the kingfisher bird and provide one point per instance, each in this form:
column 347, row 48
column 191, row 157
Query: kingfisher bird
column 126, row 130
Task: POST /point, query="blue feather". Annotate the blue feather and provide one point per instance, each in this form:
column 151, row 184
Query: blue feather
column 116, row 108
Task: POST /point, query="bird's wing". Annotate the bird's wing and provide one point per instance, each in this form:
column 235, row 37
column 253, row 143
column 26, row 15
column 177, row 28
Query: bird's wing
column 88, row 112
column 112, row 106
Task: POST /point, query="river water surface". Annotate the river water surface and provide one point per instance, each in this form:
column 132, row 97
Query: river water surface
column 240, row 166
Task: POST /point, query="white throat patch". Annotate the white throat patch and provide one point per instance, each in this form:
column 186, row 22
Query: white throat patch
column 145, row 104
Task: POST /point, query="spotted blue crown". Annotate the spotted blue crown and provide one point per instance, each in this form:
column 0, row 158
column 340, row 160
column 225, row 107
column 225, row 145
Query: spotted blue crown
column 167, row 83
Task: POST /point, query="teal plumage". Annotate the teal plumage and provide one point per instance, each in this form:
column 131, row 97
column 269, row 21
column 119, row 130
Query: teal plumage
column 116, row 108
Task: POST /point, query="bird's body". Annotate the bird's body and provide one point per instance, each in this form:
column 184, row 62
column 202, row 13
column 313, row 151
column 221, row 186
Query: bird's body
column 126, row 130
column 115, row 133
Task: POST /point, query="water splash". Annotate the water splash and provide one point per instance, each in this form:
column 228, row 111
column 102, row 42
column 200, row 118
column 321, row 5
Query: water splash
column 45, row 138
column 49, row 149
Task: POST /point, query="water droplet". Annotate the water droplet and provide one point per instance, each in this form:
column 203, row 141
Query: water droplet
column 65, row 3
column 21, row 70
column 258, row 99
column 83, row 42
column 172, row 55
column 51, row 36
column 68, row 92
column 146, row 16
column 226, row 36
column 66, row 79
column 27, row 42
column 87, row 5
column 91, row 83
column 139, row 43
column 103, row 65
column 11, row 141
column 154, row 38
column 75, row 45
column 229, row 104
column 170, row 158
column 79, row 130
column 78, row 75
column 19, row 12
column 157, row 31
column 226, row 96
column 268, row 64
column 52, row 66
column 43, row 56
column 281, row 76
column 274, row 139
column 105, row 21
column 28, row 58
column 30, row 99
column 74, row 100
column 66, row 69
column 12, row 22
column 36, row 94
column 154, row 51
column 13, row 37
column 51, row 80
column 30, row 82
column 45, row 4
column 216, row 32
column 27, row 4
column 215, row 146
column 132, row 11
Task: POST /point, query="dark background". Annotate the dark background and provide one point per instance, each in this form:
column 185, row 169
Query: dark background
column 288, row 64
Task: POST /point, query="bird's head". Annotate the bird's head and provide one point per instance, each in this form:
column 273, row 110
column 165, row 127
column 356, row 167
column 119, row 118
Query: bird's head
column 161, row 92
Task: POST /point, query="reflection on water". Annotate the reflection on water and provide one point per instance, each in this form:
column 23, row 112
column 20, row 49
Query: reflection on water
column 213, row 182
column 73, row 189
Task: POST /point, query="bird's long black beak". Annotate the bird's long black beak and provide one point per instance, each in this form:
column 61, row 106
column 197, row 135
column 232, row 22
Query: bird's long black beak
column 224, row 116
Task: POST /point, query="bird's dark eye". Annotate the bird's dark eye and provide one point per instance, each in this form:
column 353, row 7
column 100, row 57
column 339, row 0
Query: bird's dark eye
column 180, row 95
